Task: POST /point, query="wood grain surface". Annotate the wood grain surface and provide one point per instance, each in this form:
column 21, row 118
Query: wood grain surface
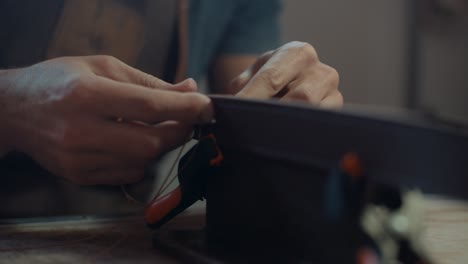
column 446, row 235
column 128, row 240
column 86, row 240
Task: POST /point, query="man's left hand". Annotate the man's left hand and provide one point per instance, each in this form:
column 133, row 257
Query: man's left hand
column 291, row 72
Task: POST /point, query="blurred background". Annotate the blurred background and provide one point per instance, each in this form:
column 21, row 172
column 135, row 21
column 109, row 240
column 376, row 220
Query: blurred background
column 393, row 53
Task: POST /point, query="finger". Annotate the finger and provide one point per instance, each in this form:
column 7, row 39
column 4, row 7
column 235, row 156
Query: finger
column 264, row 58
column 134, row 143
column 113, row 68
column 307, row 89
column 188, row 85
column 284, row 66
column 130, row 102
column 133, row 152
column 238, row 83
column 332, row 101
column 271, row 78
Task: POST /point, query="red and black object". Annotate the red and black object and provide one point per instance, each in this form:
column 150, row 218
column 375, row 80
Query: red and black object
column 194, row 168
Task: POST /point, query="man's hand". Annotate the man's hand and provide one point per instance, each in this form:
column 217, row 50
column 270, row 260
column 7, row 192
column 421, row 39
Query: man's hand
column 64, row 113
column 292, row 72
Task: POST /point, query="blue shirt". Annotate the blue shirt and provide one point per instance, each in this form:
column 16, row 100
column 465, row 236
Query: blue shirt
column 230, row 27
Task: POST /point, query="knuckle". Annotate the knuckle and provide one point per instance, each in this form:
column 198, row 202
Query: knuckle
column 76, row 82
column 78, row 90
column 333, row 76
column 306, row 52
column 106, row 64
column 272, row 78
column 339, row 98
column 305, row 94
column 145, row 79
column 106, row 61
column 332, row 72
column 295, row 44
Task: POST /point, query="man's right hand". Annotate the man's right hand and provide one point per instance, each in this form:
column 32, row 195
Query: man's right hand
column 63, row 113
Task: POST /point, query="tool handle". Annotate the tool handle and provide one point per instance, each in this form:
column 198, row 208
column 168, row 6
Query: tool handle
column 167, row 207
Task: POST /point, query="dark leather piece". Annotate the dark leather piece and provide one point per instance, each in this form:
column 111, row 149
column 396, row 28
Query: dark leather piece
column 403, row 150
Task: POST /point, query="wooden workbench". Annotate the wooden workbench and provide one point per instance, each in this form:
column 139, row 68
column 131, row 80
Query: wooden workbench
column 127, row 239
column 123, row 239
